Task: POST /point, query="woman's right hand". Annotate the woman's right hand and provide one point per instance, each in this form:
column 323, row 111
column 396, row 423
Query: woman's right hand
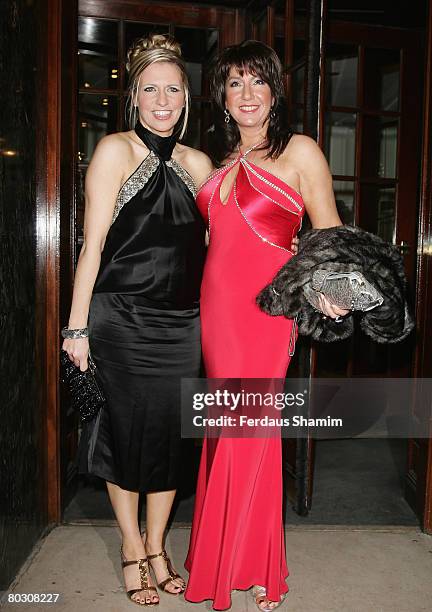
column 78, row 350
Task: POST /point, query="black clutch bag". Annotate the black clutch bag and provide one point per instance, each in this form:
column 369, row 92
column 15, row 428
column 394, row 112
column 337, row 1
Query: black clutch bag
column 87, row 397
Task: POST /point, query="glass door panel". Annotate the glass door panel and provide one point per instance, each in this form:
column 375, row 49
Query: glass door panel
column 97, row 53
column 380, row 135
column 200, row 124
column 297, row 120
column 298, row 73
column 344, row 195
column 340, row 142
column 378, row 210
column 382, row 67
column 362, row 148
column 341, row 75
column 97, row 116
column 199, row 46
column 297, row 81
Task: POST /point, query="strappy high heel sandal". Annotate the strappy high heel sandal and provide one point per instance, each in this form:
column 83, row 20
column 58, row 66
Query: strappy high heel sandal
column 259, row 594
column 144, row 578
column 171, row 573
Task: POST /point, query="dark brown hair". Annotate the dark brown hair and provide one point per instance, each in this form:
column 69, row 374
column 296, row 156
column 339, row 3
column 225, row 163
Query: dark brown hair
column 261, row 60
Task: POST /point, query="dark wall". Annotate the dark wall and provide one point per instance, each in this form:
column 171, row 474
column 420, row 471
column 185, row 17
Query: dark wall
column 21, row 499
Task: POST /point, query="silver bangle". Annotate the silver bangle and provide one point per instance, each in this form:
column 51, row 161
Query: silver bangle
column 73, row 334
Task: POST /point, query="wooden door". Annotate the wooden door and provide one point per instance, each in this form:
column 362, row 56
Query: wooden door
column 94, row 106
column 369, row 129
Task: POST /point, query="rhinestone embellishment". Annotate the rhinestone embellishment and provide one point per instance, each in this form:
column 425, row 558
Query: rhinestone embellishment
column 247, row 165
column 218, row 176
column 135, row 182
column 143, row 174
column 183, row 175
column 263, row 238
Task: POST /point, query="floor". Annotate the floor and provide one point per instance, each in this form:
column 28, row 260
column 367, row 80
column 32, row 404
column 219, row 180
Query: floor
column 331, row 570
column 358, row 550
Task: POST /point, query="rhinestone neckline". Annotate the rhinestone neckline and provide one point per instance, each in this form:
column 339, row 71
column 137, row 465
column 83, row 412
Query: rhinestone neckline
column 247, row 166
column 136, row 181
column 255, row 146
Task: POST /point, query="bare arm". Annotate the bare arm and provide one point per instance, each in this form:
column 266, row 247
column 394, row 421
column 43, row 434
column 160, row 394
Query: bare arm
column 103, row 181
column 316, row 184
column 316, row 187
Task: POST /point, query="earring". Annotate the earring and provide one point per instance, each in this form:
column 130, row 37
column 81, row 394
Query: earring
column 272, row 113
column 227, row 116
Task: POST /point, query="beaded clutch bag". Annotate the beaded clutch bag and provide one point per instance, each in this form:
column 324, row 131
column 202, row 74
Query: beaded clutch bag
column 348, row 290
column 86, row 395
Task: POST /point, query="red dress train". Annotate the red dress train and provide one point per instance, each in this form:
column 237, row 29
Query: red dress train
column 237, row 537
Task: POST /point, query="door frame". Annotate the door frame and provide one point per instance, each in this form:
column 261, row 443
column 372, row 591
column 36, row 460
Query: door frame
column 419, row 477
column 50, row 239
column 192, row 15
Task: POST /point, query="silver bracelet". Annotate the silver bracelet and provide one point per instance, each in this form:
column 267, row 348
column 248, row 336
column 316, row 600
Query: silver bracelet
column 73, row 334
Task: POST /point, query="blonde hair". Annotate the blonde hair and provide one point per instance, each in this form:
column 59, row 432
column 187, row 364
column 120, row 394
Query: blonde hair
column 144, row 52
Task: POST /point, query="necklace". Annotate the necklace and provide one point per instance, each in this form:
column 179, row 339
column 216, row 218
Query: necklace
column 255, row 146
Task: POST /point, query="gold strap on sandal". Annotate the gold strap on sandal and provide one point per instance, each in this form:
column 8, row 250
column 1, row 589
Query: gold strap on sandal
column 144, row 579
column 171, row 572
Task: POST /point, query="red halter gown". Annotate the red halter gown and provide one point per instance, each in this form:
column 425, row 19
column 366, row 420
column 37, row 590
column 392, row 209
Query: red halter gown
column 237, row 537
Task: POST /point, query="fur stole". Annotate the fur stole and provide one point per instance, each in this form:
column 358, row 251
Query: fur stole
column 342, row 249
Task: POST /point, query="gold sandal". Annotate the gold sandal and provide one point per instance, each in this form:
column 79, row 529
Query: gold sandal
column 144, row 578
column 171, row 573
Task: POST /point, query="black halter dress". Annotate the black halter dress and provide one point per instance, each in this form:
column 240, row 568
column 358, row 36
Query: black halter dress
column 144, row 329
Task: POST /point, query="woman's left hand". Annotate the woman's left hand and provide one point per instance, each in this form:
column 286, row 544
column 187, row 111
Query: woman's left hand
column 331, row 310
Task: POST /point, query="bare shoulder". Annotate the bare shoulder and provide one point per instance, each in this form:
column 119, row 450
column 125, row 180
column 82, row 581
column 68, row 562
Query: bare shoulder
column 112, row 148
column 193, row 156
column 315, row 181
column 304, row 154
column 303, row 147
column 197, row 163
column 110, row 162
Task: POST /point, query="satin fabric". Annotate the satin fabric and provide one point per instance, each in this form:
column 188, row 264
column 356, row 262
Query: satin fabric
column 141, row 354
column 144, row 330
column 237, row 537
column 156, row 248
column 273, row 209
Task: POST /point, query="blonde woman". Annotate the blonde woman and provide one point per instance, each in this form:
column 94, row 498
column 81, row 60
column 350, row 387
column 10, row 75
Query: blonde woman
column 136, row 304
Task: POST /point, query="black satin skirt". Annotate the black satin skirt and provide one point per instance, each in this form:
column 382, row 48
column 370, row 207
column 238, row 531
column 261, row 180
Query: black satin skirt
column 141, row 354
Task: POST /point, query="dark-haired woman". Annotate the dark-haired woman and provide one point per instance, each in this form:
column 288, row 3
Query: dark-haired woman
column 253, row 206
